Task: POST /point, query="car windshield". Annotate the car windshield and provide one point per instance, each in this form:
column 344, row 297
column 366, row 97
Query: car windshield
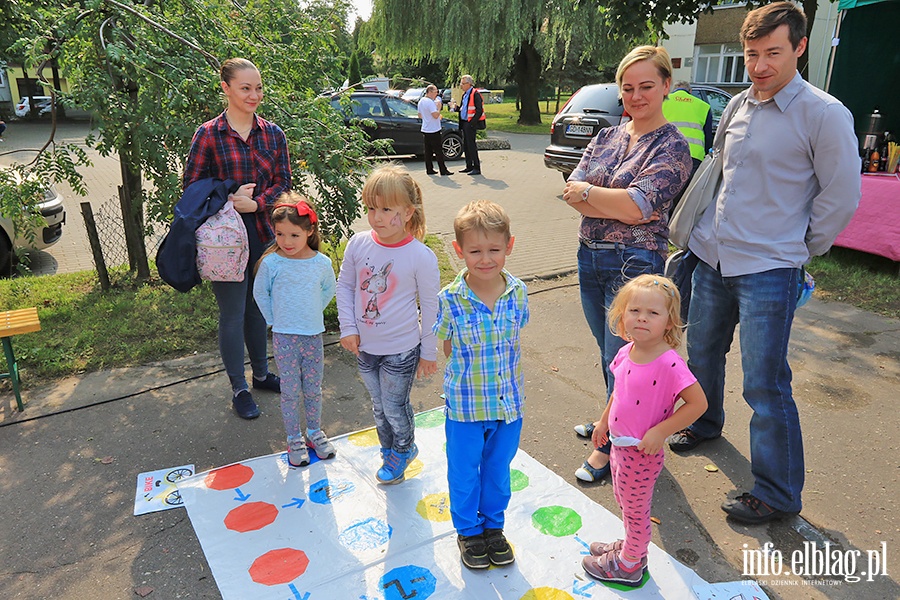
column 601, row 99
column 402, row 108
column 717, row 103
column 413, row 94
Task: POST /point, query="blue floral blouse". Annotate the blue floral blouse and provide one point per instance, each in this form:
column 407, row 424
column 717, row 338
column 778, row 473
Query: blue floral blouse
column 653, row 172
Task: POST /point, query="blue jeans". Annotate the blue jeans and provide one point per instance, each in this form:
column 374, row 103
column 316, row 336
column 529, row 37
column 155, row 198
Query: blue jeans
column 389, row 380
column 478, row 458
column 763, row 304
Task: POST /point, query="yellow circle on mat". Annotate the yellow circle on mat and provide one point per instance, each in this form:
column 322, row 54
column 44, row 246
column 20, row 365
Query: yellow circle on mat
column 366, row 438
column 435, row 507
column 414, row 468
column 546, row 593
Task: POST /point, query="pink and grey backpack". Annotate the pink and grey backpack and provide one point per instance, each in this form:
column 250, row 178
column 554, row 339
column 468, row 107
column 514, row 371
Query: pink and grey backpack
column 222, row 246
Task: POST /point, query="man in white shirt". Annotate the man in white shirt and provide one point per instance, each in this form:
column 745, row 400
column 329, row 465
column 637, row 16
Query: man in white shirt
column 430, row 112
column 790, row 184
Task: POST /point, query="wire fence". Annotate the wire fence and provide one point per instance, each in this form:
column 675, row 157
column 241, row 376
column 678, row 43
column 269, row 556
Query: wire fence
column 107, row 233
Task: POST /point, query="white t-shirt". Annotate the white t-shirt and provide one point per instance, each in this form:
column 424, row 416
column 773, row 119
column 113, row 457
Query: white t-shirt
column 429, row 123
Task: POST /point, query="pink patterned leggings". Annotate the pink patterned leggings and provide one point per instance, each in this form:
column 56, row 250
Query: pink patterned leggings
column 634, row 475
column 300, row 359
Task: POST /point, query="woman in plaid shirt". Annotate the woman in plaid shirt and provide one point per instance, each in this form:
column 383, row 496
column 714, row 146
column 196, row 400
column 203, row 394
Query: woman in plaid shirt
column 241, row 146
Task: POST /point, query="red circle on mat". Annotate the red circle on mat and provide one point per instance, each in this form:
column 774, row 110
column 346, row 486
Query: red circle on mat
column 228, row 478
column 250, row 517
column 276, row 567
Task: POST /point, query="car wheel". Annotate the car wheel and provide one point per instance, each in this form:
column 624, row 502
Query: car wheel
column 6, row 256
column 566, row 176
column 452, row 145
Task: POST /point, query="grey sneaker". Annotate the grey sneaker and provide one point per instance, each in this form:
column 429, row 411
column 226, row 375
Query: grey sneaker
column 298, row 456
column 319, row 442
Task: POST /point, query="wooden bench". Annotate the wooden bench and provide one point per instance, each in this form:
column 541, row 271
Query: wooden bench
column 14, row 322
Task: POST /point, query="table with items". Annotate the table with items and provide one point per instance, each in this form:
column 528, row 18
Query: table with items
column 875, row 227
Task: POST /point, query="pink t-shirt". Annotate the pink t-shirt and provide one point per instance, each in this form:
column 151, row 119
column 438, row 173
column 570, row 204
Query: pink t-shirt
column 645, row 393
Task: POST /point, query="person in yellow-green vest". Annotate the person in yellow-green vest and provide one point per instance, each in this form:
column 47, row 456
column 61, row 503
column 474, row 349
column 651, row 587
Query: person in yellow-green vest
column 693, row 118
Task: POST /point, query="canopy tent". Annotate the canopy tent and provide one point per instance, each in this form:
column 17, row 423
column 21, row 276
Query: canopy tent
column 848, row 4
column 866, row 68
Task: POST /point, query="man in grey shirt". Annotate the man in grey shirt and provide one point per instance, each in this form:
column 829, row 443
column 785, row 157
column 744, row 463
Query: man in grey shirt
column 791, row 182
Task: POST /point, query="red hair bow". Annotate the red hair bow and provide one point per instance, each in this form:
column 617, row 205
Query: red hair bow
column 302, row 208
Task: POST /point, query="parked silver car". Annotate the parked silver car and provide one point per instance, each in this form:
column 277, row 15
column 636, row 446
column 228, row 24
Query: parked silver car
column 54, row 214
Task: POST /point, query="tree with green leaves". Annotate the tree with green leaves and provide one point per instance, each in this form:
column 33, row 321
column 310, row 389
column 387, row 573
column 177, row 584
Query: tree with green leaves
column 486, row 38
column 354, row 77
column 148, row 71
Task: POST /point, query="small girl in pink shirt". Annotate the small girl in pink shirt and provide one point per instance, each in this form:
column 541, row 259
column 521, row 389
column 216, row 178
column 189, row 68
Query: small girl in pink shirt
column 641, row 414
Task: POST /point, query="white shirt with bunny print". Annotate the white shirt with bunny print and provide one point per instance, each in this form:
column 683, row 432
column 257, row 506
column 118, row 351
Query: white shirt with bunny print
column 387, row 294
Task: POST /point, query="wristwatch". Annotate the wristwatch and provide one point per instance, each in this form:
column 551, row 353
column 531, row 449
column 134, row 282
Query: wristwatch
column 584, row 194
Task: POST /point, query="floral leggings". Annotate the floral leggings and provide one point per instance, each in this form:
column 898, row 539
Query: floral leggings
column 634, row 476
column 300, row 359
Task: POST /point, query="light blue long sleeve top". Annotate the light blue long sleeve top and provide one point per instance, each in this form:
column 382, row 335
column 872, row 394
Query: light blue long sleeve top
column 292, row 292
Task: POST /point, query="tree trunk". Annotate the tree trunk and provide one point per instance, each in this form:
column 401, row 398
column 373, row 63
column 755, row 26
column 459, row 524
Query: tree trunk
column 528, row 78
column 54, row 68
column 131, row 197
column 809, row 8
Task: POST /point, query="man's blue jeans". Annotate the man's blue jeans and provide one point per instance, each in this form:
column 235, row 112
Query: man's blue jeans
column 763, row 304
column 389, row 379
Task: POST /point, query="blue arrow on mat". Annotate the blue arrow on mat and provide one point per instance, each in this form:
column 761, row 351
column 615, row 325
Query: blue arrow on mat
column 298, row 502
column 241, row 497
column 581, row 591
column 297, row 595
column 587, row 547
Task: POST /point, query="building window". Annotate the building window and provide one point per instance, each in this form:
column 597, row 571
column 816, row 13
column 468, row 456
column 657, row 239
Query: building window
column 720, row 63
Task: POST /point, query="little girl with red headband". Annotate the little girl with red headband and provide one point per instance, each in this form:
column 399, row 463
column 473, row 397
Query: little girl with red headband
column 294, row 283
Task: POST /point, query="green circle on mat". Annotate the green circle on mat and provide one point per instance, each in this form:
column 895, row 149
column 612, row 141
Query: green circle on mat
column 518, row 480
column 558, row 521
column 430, row 419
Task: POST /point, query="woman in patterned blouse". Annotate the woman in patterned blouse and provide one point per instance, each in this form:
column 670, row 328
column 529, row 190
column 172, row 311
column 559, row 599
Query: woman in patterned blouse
column 623, row 188
column 241, row 146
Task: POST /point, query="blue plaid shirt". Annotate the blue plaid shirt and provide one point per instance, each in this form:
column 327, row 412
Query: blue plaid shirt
column 483, row 380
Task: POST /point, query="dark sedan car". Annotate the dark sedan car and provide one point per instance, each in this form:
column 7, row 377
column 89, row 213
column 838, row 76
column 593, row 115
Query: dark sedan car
column 594, row 107
column 589, row 110
column 398, row 120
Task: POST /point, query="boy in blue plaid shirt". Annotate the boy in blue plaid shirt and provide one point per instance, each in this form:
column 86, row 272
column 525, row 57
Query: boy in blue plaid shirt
column 479, row 318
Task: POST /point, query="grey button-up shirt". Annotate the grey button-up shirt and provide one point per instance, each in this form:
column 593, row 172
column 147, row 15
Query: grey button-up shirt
column 791, row 182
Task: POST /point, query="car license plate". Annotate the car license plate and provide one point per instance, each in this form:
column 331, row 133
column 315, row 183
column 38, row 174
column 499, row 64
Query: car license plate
column 579, row 130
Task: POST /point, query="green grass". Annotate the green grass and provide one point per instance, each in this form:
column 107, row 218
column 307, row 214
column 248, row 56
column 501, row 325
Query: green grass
column 503, row 117
column 864, row 280
column 84, row 329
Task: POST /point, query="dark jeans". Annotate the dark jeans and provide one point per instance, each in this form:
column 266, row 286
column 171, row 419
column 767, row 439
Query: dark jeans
column 763, row 304
column 469, row 145
column 433, row 147
column 240, row 321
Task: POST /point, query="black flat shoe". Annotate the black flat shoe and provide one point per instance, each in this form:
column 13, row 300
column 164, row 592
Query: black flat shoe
column 447, row 173
column 749, row 509
column 685, row 440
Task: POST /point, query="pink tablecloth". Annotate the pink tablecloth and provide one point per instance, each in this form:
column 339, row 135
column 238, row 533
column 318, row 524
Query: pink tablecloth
column 875, row 227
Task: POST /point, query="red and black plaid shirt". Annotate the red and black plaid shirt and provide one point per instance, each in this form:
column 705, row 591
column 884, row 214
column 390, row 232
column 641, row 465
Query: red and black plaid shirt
column 217, row 151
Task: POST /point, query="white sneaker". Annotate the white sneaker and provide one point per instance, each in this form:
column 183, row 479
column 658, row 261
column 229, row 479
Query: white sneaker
column 298, row 455
column 319, row 442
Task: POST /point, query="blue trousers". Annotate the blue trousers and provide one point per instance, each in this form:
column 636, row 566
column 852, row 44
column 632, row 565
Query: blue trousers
column 478, row 458
column 763, row 304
